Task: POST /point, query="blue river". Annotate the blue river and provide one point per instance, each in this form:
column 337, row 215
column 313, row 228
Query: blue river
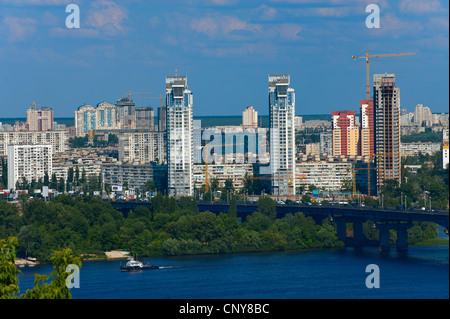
column 421, row 273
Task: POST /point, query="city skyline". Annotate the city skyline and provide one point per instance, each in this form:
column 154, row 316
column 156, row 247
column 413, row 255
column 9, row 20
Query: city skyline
column 222, row 46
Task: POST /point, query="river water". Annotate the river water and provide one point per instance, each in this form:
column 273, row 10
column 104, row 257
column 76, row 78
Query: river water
column 331, row 274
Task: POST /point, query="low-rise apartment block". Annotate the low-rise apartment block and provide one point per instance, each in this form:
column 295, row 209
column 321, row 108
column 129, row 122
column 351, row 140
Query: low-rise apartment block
column 222, row 172
column 412, row 149
column 58, row 139
column 323, row 174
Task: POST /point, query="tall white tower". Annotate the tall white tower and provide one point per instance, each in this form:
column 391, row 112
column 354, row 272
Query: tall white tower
column 282, row 134
column 180, row 141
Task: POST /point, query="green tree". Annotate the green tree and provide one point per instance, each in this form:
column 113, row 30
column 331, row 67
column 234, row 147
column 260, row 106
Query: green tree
column 9, row 282
column 30, row 240
column 267, row 207
column 232, row 210
column 46, row 178
column 306, row 199
column 347, row 185
column 54, row 182
column 149, row 186
column 4, row 177
column 76, row 178
column 208, row 196
column 214, row 182
column 56, row 288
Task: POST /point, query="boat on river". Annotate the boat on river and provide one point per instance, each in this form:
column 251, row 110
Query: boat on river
column 135, row 265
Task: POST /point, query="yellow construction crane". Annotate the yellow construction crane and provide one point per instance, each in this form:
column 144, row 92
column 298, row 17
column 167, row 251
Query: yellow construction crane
column 368, row 177
column 288, row 178
column 91, row 133
column 376, row 56
column 160, row 98
column 206, row 162
column 129, row 93
column 380, row 170
column 34, row 104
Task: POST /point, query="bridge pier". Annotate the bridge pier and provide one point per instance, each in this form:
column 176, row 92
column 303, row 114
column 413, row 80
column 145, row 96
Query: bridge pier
column 358, row 239
column 358, row 234
column 341, row 230
column 402, row 236
column 385, row 245
column 318, row 219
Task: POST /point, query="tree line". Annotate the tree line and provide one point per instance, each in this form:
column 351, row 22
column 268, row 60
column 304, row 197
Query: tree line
column 89, row 226
column 430, row 184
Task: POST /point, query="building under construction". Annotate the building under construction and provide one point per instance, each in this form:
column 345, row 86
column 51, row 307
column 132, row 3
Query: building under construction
column 386, row 100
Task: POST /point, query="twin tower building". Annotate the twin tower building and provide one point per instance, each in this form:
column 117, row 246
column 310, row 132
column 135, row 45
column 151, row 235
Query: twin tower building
column 180, row 138
column 180, row 142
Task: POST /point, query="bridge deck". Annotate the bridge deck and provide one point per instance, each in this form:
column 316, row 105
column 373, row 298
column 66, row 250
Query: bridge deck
column 374, row 214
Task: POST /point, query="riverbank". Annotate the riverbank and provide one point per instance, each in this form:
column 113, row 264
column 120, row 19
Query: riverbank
column 432, row 242
column 117, row 254
column 20, row 262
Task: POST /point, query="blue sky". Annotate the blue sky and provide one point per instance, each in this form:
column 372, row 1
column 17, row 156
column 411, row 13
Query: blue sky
column 227, row 49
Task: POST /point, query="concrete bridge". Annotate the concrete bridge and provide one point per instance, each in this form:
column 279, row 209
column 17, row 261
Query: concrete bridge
column 384, row 219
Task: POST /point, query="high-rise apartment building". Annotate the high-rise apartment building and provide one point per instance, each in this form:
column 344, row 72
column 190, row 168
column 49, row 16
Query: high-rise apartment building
column 39, row 119
column 366, row 135
column 230, row 144
column 345, row 133
column 326, row 143
column 180, row 141
column 29, row 162
column 88, row 118
column 84, row 120
column 58, row 139
column 422, row 116
column 162, row 119
column 105, row 116
column 249, row 118
column 144, row 118
column 444, row 148
column 126, row 113
column 282, row 134
column 386, row 100
column 142, row 147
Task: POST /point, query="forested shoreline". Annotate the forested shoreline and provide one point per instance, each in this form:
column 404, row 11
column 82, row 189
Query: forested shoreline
column 89, row 227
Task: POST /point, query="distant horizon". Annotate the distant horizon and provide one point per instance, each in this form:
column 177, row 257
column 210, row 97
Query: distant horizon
column 197, row 116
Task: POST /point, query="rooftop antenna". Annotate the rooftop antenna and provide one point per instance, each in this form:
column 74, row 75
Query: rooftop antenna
column 176, row 71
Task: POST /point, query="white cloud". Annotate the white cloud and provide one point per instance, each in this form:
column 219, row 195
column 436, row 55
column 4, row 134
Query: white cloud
column 103, row 18
column 222, row 25
column 439, row 23
column 18, row 29
column 398, row 27
column 264, row 12
column 288, row 31
column 420, row 6
column 107, row 16
column 37, row 2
